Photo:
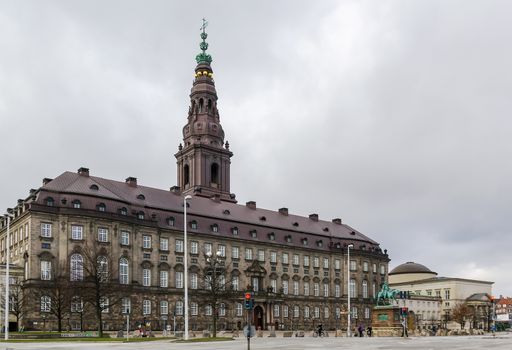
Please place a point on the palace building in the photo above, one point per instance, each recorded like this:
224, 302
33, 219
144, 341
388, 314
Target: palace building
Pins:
296, 266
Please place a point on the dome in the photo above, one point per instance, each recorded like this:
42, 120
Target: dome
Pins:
411, 267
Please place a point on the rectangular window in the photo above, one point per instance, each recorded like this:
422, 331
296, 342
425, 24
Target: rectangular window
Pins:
354, 313
193, 280
235, 253
276, 310
295, 259
353, 265
77, 232
285, 311
273, 284
317, 312
255, 284
306, 288
326, 289
316, 289
374, 268
46, 229
164, 279
306, 260
164, 307
337, 290
179, 308
365, 266
273, 257
326, 263
353, 291
102, 234
382, 269
208, 310
146, 307
367, 312
125, 238
261, 255
295, 287
164, 244
179, 246
46, 303
179, 279
239, 309
146, 277
248, 254
104, 305
146, 241
234, 283
296, 311
326, 312
208, 248
316, 262
285, 287
194, 247
285, 258
193, 309
221, 248
46, 270
447, 294
337, 264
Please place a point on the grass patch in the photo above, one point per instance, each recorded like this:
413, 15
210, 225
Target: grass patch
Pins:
88, 339
199, 340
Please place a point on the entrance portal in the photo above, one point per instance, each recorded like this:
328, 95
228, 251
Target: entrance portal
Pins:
258, 317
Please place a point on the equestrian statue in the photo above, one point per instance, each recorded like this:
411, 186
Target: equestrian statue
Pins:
386, 295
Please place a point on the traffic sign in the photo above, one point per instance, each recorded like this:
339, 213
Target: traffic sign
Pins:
251, 334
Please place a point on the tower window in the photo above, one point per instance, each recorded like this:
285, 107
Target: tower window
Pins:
215, 173
201, 103
209, 105
186, 174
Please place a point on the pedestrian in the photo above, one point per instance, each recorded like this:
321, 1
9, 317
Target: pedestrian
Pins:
369, 331
360, 329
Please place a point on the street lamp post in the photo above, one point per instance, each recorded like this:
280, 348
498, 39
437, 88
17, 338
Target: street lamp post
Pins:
185, 263
7, 263
348, 289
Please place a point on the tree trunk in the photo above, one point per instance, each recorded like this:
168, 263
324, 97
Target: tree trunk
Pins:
100, 323
214, 325
59, 323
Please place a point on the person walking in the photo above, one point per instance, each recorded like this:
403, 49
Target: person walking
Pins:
360, 329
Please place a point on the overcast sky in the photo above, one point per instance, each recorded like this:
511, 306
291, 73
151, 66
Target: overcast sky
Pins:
393, 115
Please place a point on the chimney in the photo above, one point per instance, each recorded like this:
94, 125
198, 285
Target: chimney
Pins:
283, 211
313, 217
337, 221
131, 181
32, 191
83, 171
46, 180
251, 205
175, 189
215, 198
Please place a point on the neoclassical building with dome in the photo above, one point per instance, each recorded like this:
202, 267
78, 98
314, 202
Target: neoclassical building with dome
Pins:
296, 265
425, 284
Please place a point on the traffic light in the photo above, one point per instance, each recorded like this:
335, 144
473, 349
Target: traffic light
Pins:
248, 300
404, 311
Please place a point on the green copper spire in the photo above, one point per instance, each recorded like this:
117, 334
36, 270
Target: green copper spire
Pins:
203, 57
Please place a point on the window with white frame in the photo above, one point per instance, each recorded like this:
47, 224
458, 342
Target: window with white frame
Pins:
164, 244
285, 287
123, 271
146, 277
306, 288
326, 289
208, 310
446, 294
326, 263
179, 246
276, 310
235, 252
367, 312
239, 309
337, 312
234, 283
221, 248
326, 312
261, 255
222, 310
164, 307
306, 311
306, 260
354, 314
295, 287
285, 311
179, 308
374, 268
295, 259
273, 257
194, 247
296, 311
255, 284
126, 305
365, 289
221, 282
179, 279
317, 312
316, 261
316, 289
337, 264
146, 241
77, 232
193, 308
76, 267
46, 270
365, 266
102, 234
164, 279
46, 229
125, 238
337, 290
208, 248
77, 304
353, 265
193, 280
285, 258
46, 303
353, 291
248, 254
374, 289
382, 269
104, 305
146, 307
273, 284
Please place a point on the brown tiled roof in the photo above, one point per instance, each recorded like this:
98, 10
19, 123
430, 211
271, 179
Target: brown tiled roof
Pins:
243, 217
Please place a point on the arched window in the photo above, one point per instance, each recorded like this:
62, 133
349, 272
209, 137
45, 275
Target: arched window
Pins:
76, 267
124, 211
77, 204
123, 271
140, 215
215, 173
365, 289
102, 268
353, 291
201, 103
186, 174
209, 105
102, 207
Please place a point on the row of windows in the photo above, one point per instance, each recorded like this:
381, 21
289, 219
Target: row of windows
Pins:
77, 204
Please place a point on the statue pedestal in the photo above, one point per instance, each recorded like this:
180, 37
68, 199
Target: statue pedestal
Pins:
386, 321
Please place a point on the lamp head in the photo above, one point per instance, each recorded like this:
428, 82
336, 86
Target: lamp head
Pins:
209, 254
218, 254
187, 197
350, 245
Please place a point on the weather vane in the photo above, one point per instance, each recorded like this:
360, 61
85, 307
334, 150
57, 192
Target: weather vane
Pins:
205, 24
203, 57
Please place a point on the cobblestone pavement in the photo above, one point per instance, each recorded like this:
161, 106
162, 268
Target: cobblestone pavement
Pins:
500, 342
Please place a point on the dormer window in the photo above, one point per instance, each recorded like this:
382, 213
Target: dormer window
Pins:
141, 197
140, 215
304, 241
272, 236
319, 244
102, 207
326, 229
193, 225
49, 202
296, 224
94, 187
123, 211
215, 228
77, 204
262, 218
254, 234
353, 233
234, 231
171, 221
226, 212
288, 239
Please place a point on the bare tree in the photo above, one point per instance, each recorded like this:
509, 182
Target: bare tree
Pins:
461, 313
18, 301
216, 286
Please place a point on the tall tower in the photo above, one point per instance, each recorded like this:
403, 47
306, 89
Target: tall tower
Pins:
203, 161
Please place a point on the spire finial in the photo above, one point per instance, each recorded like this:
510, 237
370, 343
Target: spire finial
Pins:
203, 57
